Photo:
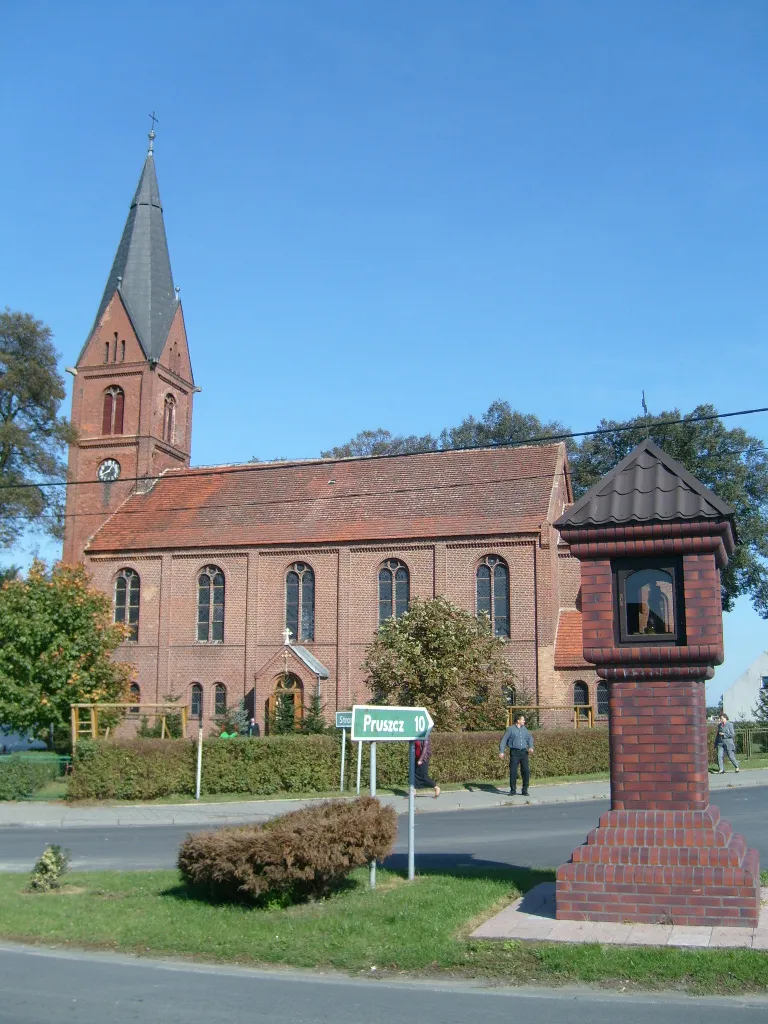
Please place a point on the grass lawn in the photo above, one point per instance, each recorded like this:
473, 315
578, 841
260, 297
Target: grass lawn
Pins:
417, 928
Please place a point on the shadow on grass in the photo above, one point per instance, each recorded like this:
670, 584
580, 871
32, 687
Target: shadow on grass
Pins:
219, 897
466, 866
435, 865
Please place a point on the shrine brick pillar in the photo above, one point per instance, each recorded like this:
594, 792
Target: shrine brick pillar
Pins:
652, 626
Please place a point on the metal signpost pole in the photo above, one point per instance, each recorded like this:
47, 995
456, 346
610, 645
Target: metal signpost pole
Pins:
372, 875
343, 722
372, 723
199, 776
411, 809
359, 764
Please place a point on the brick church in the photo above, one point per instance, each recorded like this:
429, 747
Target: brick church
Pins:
239, 581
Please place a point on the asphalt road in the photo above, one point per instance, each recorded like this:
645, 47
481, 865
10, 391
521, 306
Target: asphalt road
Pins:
56, 987
528, 836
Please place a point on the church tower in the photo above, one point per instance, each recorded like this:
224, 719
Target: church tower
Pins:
133, 384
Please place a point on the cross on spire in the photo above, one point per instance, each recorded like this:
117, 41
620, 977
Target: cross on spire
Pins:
154, 121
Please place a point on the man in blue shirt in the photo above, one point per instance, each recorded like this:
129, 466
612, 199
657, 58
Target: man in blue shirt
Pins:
520, 743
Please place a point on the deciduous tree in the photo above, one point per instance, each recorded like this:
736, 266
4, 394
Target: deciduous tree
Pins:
57, 639
33, 436
445, 659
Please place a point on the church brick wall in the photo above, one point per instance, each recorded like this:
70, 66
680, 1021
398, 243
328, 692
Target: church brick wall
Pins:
168, 658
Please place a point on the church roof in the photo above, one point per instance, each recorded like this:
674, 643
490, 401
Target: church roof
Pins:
569, 643
313, 664
404, 497
141, 271
647, 486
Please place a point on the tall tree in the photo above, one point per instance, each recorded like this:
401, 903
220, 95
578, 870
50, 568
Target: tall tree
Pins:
499, 424
728, 460
57, 639
445, 659
33, 436
381, 442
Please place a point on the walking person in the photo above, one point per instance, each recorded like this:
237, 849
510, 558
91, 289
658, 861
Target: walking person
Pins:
725, 743
520, 743
423, 754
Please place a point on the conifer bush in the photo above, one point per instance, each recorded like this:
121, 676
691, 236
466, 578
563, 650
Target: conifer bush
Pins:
298, 856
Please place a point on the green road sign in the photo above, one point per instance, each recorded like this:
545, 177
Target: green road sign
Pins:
343, 719
384, 723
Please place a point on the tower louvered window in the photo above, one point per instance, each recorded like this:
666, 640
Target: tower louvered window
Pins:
169, 419
112, 414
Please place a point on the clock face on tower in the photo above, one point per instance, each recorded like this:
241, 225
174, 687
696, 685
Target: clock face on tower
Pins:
109, 470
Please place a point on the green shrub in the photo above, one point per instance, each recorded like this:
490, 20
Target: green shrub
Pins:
21, 776
147, 769
294, 857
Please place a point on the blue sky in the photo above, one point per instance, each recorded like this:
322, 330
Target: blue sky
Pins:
391, 214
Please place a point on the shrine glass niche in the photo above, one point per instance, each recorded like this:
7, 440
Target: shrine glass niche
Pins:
649, 601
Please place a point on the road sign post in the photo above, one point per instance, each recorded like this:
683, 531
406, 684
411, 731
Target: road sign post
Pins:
411, 810
359, 764
373, 724
372, 875
343, 722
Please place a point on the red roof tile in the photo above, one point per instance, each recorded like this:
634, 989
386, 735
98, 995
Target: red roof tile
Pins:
434, 494
569, 643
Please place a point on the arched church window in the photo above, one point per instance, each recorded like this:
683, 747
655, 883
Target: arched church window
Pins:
196, 703
135, 691
300, 601
169, 419
127, 592
581, 697
394, 590
220, 699
210, 605
112, 416
602, 698
492, 580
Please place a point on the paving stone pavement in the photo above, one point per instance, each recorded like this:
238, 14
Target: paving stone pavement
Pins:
532, 918
38, 813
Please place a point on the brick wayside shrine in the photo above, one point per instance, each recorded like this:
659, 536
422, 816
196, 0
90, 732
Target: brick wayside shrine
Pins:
652, 541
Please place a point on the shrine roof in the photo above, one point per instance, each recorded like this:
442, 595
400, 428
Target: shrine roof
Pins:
646, 486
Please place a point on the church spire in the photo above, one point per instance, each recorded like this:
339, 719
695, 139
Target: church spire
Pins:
141, 271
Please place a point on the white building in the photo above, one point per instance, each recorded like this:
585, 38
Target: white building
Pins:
740, 700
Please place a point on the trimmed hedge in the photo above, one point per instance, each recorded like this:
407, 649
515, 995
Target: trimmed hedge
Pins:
294, 857
20, 777
147, 769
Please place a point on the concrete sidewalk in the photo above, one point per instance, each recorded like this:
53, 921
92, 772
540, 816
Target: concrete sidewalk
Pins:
31, 814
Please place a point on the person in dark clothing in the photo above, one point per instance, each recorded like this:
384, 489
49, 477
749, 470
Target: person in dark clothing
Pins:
520, 743
423, 754
252, 728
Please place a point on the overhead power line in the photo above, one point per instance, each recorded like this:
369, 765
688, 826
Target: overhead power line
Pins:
547, 438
